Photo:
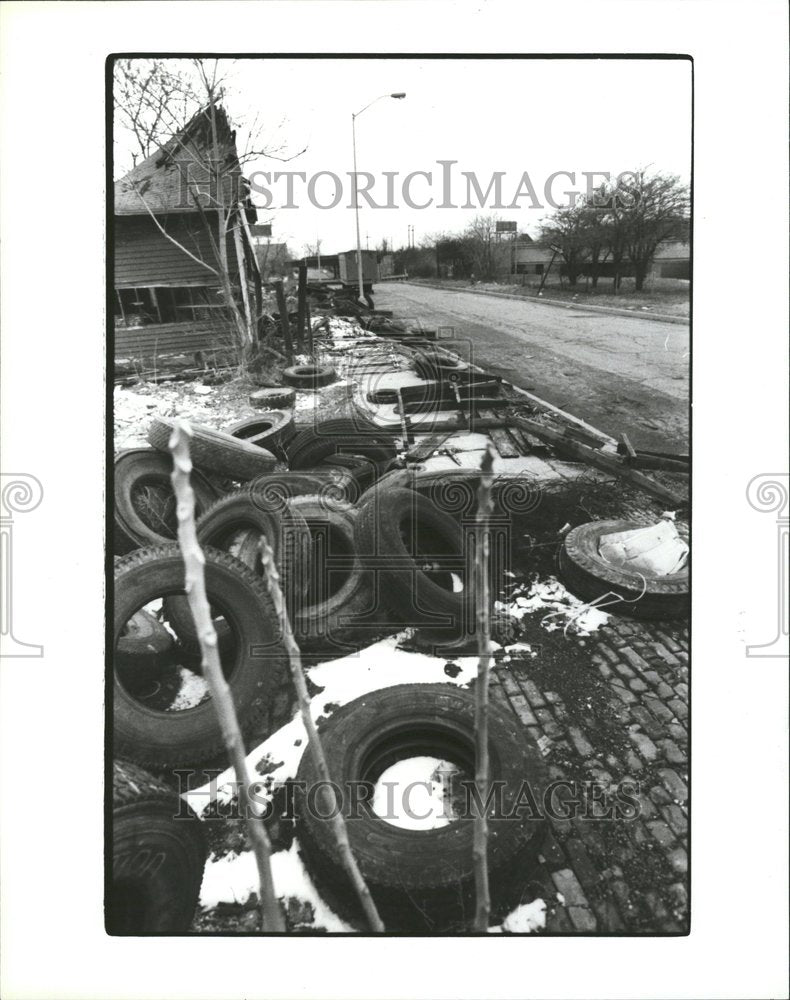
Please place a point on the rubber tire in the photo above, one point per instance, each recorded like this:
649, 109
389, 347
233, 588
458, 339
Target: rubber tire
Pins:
588, 576
287, 534
144, 651
140, 464
216, 451
341, 435
158, 858
421, 881
188, 738
329, 623
273, 429
309, 376
411, 593
364, 471
268, 398
436, 367
289, 538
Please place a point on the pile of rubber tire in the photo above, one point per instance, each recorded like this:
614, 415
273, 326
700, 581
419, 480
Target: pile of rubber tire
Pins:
355, 562
362, 549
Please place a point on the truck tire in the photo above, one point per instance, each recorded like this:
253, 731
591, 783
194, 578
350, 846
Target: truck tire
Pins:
215, 451
309, 376
145, 505
254, 665
157, 860
421, 881
588, 576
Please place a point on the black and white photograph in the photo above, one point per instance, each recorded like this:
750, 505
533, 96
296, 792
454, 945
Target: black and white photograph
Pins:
392, 420
401, 444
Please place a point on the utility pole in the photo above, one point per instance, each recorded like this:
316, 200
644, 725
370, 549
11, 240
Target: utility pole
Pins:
398, 97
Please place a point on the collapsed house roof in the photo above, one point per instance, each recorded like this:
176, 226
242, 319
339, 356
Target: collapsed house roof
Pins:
188, 173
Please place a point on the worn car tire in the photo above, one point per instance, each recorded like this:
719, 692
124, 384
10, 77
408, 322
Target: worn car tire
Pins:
143, 651
588, 576
157, 860
435, 366
341, 435
417, 547
136, 469
309, 376
287, 533
281, 397
216, 451
421, 881
254, 667
273, 429
339, 593
235, 524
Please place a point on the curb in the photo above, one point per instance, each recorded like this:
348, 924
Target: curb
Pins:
604, 310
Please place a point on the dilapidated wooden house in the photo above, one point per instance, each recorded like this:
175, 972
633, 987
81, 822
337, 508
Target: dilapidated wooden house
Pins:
180, 216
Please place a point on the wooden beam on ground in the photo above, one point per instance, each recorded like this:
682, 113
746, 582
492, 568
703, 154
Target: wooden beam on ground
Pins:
629, 448
600, 460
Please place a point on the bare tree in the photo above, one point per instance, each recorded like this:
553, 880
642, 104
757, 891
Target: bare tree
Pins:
656, 208
488, 254
150, 98
176, 107
567, 230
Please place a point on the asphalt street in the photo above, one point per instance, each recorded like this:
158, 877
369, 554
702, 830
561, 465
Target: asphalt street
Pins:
619, 373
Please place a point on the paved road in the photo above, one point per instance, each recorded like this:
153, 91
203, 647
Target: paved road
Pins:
617, 373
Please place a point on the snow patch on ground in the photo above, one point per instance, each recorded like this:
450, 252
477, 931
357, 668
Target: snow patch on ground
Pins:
381, 665
233, 878
525, 919
560, 608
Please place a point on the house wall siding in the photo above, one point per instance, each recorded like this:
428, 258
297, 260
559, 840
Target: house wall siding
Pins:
143, 256
147, 343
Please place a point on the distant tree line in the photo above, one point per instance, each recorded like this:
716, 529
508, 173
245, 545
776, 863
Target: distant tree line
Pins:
617, 229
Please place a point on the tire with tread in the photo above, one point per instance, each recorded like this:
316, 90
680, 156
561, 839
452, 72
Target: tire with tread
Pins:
341, 435
422, 881
216, 451
406, 527
143, 651
273, 429
328, 618
588, 576
309, 376
273, 398
254, 669
157, 861
139, 467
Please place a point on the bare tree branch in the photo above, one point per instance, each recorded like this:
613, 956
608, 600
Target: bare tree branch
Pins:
194, 561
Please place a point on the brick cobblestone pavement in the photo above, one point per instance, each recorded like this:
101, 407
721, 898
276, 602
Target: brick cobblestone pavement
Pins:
616, 875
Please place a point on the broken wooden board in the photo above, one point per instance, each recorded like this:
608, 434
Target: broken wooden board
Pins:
502, 441
601, 460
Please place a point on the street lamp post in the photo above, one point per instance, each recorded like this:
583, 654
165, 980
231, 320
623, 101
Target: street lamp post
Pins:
398, 97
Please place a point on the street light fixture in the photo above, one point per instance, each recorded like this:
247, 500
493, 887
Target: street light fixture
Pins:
398, 97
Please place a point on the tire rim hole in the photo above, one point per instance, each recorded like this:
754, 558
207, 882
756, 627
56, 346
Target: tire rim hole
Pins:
420, 793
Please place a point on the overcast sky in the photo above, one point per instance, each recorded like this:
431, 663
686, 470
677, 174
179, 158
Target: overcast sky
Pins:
531, 115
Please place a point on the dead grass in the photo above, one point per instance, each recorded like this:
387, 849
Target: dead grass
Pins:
666, 296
